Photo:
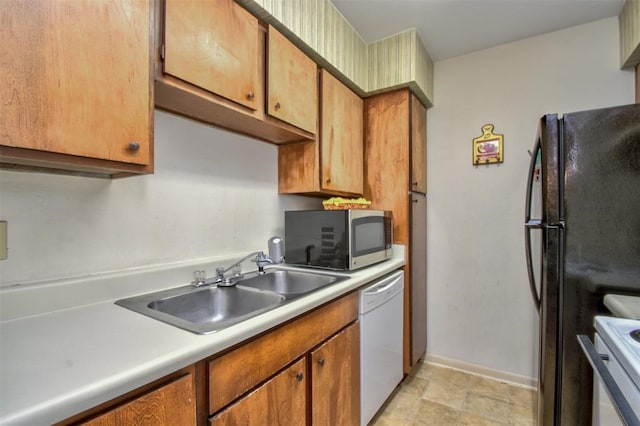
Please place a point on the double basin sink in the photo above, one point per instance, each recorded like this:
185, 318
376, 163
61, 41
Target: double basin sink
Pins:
207, 309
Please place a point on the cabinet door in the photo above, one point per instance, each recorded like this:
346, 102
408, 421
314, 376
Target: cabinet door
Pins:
418, 282
292, 84
638, 84
387, 158
341, 138
214, 45
280, 401
418, 146
76, 78
172, 404
335, 379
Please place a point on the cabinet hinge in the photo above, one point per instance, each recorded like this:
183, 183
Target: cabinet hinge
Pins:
162, 53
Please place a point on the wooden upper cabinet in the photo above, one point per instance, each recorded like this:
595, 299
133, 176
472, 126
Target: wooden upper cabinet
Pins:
387, 160
292, 83
210, 65
341, 138
214, 45
171, 404
280, 401
395, 171
333, 165
335, 379
76, 85
418, 146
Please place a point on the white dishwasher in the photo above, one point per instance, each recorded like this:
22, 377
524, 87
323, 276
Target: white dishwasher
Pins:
381, 322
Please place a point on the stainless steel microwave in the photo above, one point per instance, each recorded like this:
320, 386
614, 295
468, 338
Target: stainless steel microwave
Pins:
337, 239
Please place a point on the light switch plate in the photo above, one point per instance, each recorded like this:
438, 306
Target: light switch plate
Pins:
3, 239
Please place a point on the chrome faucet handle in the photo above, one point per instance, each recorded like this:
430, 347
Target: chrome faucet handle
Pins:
236, 271
199, 278
219, 274
262, 259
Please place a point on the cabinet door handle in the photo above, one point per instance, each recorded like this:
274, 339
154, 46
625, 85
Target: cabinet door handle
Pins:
277, 106
328, 180
415, 183
134, 146
321, 362
299, 377
250, 95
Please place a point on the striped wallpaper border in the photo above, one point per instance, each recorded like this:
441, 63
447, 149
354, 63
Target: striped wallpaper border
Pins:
398, 60
629, 22
320, 30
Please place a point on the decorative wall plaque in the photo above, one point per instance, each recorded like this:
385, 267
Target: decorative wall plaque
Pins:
487, 149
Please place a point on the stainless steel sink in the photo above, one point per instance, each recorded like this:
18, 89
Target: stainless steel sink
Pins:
289, 283
216, 305
208, 309
203, 310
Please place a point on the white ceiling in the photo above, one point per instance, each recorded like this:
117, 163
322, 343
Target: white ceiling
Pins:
451, 28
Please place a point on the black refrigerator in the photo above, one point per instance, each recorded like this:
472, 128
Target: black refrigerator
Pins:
582, 239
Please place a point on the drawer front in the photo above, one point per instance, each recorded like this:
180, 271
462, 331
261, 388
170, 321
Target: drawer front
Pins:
171, 404
280, 401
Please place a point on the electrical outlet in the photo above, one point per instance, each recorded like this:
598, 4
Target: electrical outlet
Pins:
3, 239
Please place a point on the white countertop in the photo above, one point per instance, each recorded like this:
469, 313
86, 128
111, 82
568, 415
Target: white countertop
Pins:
66, 347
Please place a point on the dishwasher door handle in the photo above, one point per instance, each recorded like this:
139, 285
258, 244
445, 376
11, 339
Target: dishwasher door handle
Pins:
381, 288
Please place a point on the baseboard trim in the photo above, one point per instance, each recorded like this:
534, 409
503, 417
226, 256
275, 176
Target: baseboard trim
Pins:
514, 379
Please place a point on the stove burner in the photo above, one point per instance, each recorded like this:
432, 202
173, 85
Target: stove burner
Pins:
635, 335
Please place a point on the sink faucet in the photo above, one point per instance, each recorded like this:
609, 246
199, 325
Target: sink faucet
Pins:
275, 257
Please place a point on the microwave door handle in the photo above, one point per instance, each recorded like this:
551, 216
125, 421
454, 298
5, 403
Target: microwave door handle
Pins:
307, 251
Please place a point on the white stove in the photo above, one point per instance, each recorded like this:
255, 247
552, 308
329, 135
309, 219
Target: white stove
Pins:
616, 343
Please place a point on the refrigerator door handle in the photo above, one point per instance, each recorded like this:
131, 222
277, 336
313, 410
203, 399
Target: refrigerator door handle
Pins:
531, 224
532, 167
532, 279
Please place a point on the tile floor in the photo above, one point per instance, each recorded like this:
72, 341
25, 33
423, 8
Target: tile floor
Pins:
442, 396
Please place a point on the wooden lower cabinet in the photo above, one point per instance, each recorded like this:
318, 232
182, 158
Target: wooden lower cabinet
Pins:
282, 400
318, 354
172, 404
335, 379
321, 388
306, 371
168, 401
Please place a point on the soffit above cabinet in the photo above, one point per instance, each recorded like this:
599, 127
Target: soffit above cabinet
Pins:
321, 31
629, 21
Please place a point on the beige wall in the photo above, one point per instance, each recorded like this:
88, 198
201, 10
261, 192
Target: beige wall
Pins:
213, 193
479, 307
